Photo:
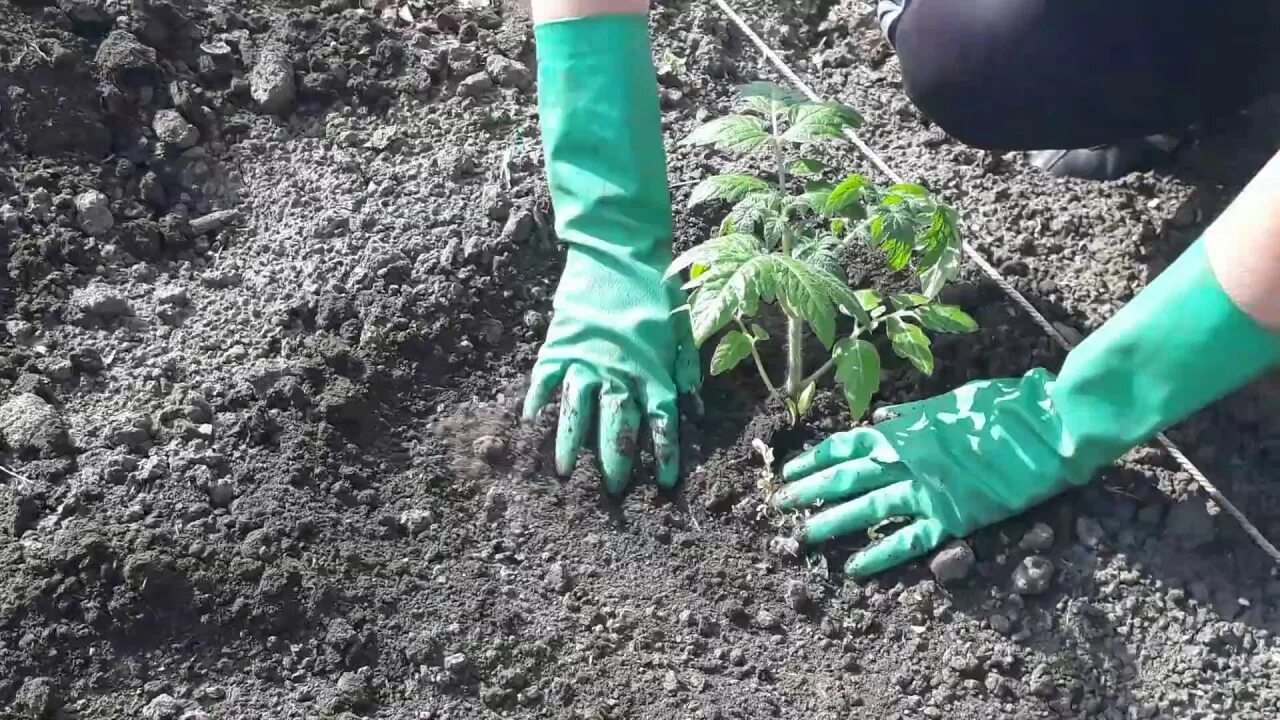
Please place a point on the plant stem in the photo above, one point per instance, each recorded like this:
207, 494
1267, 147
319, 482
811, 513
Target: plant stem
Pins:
795, 326
764, 375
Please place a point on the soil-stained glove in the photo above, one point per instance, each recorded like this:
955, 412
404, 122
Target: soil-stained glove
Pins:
991, 449
615, 348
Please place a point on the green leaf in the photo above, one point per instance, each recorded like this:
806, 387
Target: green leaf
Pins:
847, 197
732, 133
868, 299
730, 187
822, 251
858, 372
806, 166
815, 194
749, 212
910, 343
734, 346
817, 121
805, 401
905, 301
937, 275
814, 295
946, 318
731, 248
910, 189
760, 333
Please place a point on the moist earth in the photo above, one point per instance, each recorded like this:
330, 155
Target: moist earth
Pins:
274, 276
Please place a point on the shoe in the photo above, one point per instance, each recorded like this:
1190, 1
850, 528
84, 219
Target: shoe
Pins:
1107, 162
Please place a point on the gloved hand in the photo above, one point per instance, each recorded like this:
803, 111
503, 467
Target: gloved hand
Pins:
991, 449
615, 348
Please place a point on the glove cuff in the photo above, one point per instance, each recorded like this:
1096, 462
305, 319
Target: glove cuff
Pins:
602, 135
1178, 346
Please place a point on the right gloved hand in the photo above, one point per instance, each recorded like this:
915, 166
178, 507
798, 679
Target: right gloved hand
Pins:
953, 463
990, 449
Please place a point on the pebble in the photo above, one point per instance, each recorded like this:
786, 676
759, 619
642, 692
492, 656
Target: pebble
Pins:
163, 707
1033, 575
93, 212
509, 73
271, 82
558, 578
786, 546
28, 424
953, 563
102, 300
1038, 539
415, 521
766, 620
172, 295
489, 447
463, 60
214, 221
1089, 531
475, 84
455, 663
797, 595
172, 128
222, 493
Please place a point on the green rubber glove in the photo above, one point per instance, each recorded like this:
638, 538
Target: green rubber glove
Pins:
614, 347
991, 449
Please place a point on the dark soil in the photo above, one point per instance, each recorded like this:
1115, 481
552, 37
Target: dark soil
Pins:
275, 274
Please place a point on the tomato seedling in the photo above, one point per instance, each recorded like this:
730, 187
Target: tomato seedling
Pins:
780, 245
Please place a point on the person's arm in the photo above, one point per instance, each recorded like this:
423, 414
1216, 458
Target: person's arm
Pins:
615, 350
993, 448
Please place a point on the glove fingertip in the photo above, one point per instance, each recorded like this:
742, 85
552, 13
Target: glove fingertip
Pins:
541, 387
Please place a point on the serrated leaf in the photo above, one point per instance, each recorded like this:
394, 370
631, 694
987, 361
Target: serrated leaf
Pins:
868, 299
806, 166
909, 189
858, 372
721, 250
814, 295
946, 318
937, 275
760, 333
847, 197
733, 347
817, 121
905, 301
732, 133
815, 195
805, 401
910, 343
730, 187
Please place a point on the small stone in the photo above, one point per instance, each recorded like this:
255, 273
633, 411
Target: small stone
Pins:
36, 698
797, 595
475, 85
463, 60
415, 521
670, 682
126, 60
489, 447
952, 563
1001, 624
271, 83
93, 212
31, 426
102, 300
214, 221
509, 73
172, 295
456, 663
1038, 539
172, 128
786, 546
766, 620
1189, 524
1033, 575
222, 493
495, 504
1089, 531
163, 707
559, 579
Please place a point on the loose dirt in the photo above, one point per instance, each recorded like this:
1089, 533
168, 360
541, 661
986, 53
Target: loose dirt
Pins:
275, 274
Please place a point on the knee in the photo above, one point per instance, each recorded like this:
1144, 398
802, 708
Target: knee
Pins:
949, 91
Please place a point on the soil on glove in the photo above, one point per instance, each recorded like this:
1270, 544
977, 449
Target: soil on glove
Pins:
274, 276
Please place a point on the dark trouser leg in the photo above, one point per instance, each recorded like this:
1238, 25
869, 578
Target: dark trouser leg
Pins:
1035, 74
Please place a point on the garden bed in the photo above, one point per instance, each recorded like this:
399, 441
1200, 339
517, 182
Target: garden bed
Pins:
291, 482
